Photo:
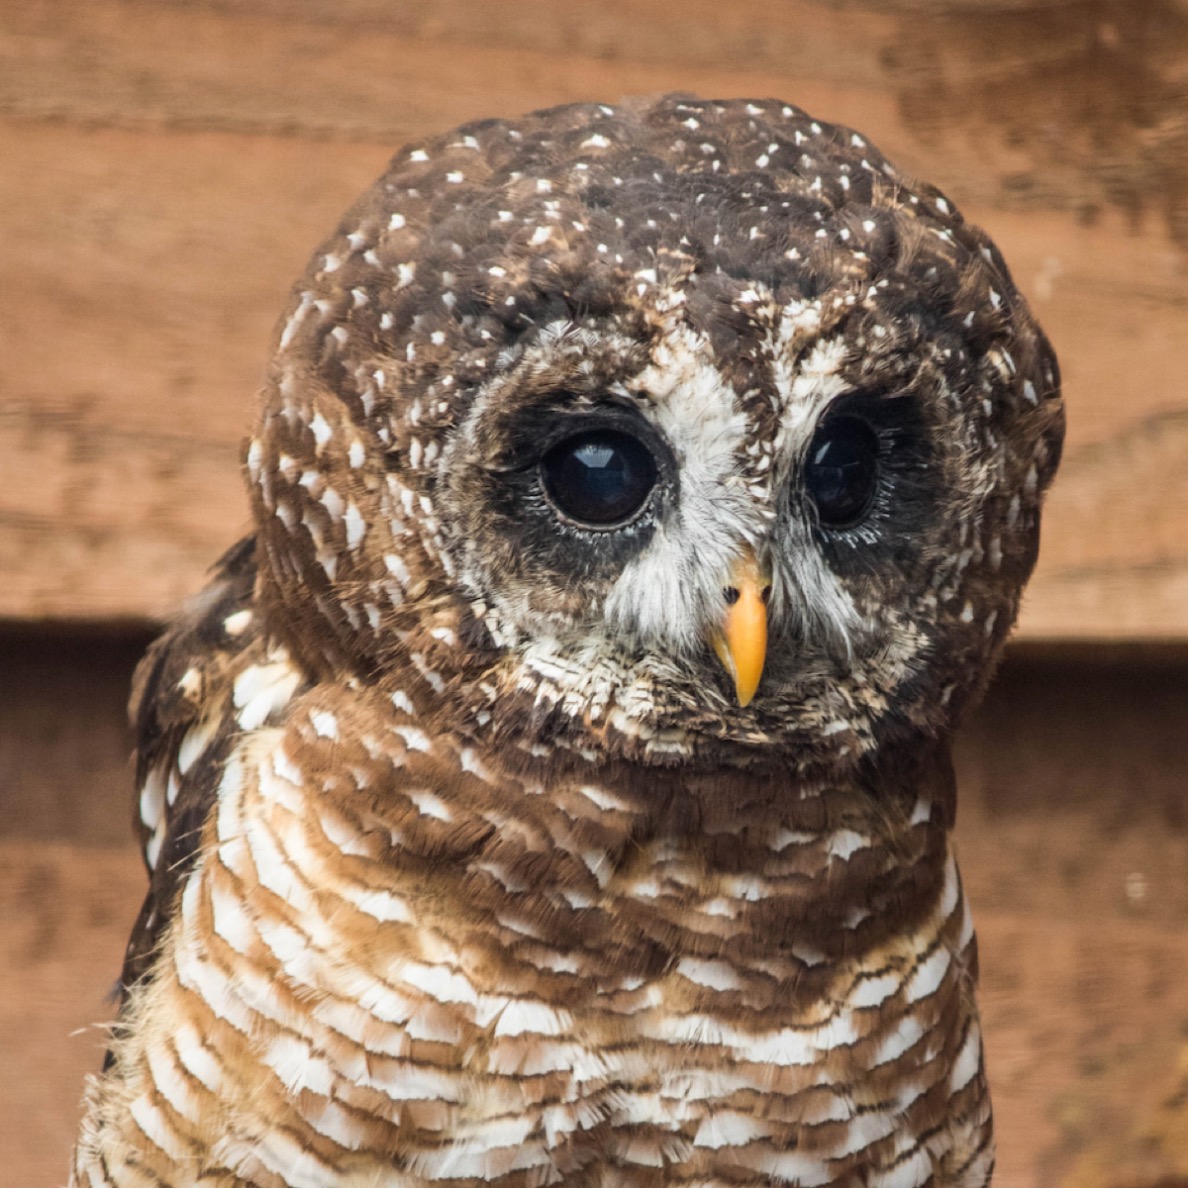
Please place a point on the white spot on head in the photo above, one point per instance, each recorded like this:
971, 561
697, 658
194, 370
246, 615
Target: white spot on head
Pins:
325, 725
296, 319
321, 430
414, 738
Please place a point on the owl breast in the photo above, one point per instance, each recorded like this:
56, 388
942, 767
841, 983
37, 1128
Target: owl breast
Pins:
573, 980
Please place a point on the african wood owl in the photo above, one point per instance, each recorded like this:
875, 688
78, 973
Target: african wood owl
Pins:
555, 787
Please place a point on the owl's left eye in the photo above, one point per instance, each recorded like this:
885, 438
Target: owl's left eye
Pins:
600, 478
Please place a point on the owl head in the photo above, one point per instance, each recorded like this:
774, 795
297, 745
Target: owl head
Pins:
673, 430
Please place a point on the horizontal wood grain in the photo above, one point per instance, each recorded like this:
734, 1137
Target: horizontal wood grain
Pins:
384, 72
168, 169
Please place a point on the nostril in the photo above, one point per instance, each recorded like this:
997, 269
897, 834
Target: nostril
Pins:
765, 595
730, 593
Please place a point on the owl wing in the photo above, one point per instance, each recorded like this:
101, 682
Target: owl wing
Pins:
211, 676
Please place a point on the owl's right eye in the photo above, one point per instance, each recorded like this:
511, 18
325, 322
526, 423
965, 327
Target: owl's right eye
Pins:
600, 478
842, 470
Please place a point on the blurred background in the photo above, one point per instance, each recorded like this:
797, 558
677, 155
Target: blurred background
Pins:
166, 167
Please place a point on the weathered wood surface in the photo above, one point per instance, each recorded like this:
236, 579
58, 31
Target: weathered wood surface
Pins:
167, 169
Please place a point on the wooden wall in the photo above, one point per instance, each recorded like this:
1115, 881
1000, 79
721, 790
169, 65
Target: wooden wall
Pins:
166, 167
169, 166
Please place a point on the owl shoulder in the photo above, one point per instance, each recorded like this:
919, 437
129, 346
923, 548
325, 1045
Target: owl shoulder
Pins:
213, 675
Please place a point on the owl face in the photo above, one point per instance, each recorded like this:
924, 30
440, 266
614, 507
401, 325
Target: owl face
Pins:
680, 429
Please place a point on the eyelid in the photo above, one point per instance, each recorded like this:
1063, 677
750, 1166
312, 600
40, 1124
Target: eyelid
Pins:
857, 401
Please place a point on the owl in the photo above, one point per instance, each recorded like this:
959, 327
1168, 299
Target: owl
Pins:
555, 787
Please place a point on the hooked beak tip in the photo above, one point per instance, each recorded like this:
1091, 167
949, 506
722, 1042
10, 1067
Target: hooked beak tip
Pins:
741, 640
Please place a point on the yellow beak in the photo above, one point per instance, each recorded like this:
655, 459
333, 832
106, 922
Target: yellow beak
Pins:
741, 641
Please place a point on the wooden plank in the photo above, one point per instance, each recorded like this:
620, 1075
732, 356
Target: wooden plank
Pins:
155, 206
1114, 554
68, 910
142, 274
386, 74
66, 767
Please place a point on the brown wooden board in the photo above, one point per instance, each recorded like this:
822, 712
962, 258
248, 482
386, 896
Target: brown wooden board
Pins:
168, 168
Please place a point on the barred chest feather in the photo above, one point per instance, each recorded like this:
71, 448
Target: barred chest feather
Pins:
398, 963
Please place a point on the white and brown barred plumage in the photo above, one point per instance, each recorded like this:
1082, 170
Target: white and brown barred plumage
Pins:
468, 865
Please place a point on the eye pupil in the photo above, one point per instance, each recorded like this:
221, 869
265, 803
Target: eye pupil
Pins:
600, 478
842, 470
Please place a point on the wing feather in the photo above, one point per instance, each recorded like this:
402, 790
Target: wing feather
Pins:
211, 675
